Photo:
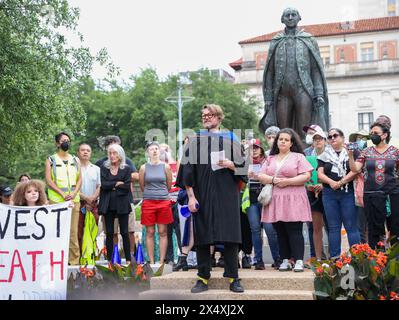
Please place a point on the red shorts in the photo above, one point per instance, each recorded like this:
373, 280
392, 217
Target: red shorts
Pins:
156, 212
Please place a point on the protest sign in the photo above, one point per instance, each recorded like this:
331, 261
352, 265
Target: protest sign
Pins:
34, 245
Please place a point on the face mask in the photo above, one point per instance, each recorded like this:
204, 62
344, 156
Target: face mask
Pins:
65, 146
375, 138
308, 139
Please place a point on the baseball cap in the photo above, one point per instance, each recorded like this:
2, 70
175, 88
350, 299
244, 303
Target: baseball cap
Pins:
256, 142
314, 127
6, 191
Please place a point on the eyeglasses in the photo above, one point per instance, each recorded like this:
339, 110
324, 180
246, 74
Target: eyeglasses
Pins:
207, 116
334, 136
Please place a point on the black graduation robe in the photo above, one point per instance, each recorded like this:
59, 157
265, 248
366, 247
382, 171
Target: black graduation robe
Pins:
218, 194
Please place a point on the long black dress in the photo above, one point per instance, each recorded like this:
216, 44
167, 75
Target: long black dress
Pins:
218, 217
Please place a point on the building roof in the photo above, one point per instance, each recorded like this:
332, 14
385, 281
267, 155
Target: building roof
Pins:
236, 65
337, 28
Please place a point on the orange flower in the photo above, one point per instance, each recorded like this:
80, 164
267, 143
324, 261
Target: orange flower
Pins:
381, 297
381, 259
347, 260
378, 269
339, 264
319, 270
394, 295
139, 269
381, 244
104, 251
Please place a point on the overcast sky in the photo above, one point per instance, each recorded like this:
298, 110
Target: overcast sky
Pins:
181, 35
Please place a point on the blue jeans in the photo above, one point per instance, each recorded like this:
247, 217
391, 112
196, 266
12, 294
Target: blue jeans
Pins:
254, 215
340, 209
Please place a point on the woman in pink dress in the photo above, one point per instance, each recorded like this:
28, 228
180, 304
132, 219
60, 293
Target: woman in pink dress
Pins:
289, 207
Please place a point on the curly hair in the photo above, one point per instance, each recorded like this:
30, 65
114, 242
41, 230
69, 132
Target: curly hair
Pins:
18, 197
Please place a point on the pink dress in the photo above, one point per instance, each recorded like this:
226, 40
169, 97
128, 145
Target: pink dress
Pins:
289, 204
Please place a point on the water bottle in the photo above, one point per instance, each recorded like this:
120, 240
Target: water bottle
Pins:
185, 211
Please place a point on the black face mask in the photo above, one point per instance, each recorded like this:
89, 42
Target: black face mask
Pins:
376, 139
65, 146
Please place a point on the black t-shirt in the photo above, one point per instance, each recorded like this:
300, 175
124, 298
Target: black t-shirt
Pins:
380, 170
333, 175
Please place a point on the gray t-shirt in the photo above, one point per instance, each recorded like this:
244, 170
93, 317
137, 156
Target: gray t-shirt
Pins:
155, 187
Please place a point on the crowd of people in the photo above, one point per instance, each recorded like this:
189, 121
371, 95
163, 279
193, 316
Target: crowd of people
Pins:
210, 197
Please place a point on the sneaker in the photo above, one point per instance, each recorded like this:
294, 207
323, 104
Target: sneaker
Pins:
236, 286
200, 286
285, 266
260, 265
246, 262
277, 263
298, 266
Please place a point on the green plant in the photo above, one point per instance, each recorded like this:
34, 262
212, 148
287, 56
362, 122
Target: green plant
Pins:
112, 281
360, 274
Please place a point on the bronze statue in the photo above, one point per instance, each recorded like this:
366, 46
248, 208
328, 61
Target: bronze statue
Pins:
294, 85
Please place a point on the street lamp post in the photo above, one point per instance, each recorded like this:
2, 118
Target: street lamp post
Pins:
180, 100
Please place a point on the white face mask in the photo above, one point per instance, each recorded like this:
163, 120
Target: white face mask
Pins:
309, 139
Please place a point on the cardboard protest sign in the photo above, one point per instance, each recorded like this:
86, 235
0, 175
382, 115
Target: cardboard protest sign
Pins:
34, 244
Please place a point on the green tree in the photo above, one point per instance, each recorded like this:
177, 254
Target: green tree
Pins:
134, 109
239, 108
38, 74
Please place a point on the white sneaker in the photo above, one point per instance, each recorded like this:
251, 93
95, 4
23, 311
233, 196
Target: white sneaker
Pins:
298, 266
285, 266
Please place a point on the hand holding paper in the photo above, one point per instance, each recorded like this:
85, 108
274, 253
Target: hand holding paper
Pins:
216, 157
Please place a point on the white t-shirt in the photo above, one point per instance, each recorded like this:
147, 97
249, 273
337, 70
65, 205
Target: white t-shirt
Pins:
91, 179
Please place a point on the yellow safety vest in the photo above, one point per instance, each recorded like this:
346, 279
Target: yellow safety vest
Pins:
89, 244
65, 176
245, 202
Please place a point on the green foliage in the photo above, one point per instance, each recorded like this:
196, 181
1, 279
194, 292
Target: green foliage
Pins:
363, 274
111, 282
38, 73
130, 111
45, 88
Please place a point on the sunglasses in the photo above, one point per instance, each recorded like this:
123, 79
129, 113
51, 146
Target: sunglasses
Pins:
334, 136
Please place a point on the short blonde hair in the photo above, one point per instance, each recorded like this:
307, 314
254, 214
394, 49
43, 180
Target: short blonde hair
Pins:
215, 109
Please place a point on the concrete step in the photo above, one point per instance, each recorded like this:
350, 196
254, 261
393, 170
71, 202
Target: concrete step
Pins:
226, 294
268, 279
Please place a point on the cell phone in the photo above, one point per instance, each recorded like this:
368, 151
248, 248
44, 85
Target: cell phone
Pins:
353, 146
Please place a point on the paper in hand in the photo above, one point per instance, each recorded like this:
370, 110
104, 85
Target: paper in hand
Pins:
215, 158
